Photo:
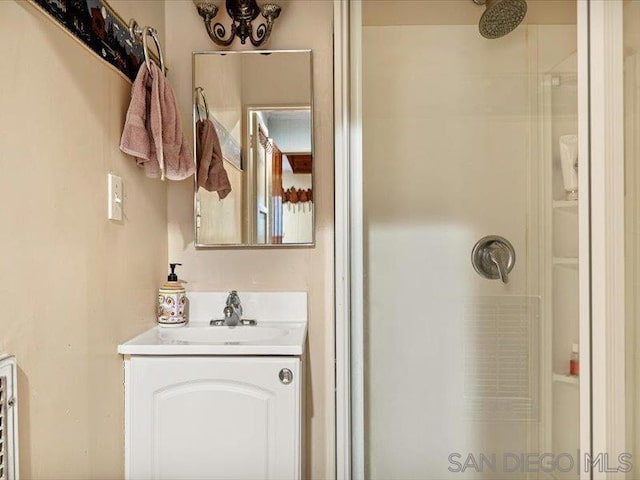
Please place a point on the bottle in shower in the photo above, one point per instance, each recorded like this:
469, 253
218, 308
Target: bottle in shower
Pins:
574, 362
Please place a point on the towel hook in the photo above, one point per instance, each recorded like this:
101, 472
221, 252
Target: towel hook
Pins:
200, 91
138, 33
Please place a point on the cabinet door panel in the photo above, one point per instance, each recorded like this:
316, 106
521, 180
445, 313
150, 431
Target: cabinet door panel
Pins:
213, 418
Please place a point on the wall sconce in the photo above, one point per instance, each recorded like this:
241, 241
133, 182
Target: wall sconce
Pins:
242, 13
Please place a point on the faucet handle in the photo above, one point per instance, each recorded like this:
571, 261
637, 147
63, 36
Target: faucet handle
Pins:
493, 257
233, 298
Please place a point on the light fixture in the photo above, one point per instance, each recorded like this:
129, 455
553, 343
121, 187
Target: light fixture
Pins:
242, 13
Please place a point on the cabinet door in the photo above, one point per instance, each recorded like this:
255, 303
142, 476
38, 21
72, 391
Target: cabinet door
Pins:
213, 418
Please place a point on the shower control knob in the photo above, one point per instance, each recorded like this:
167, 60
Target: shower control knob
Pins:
493, 257
286, 376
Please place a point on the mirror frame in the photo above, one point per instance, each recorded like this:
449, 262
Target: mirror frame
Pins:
246, 109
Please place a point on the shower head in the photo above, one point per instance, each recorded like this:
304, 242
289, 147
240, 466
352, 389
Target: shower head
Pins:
501, 16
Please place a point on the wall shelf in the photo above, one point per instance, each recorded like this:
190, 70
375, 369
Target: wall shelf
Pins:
98, 28
564, 378
566, 261
565, 204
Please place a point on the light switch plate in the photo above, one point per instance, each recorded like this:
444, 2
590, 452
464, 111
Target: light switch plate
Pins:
114, 195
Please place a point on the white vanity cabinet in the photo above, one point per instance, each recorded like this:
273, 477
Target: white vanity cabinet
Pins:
213, 417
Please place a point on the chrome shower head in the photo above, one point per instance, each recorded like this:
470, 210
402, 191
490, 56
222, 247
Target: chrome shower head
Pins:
501, 16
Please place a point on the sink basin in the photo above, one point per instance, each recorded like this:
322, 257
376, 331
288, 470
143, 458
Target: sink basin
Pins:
281, 328
272, 338
223, 335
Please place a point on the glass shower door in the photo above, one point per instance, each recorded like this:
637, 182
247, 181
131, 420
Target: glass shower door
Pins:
470, 225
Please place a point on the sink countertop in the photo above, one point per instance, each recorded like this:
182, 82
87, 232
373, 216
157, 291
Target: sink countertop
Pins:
281, 328
167, 341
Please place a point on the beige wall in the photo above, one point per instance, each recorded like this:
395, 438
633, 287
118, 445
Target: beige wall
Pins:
75, 283
225, 103
275, 80
303, 24
459, 12
222, 221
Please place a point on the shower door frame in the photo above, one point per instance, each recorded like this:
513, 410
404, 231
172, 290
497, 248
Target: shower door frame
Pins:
607, 230
601, 234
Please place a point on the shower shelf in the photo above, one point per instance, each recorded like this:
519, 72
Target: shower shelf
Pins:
565, 204
560, 234
565, 261
564, 378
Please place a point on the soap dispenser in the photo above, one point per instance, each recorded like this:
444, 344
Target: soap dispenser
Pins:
172, 301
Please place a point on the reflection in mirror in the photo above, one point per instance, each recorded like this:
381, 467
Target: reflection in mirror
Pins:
254, 148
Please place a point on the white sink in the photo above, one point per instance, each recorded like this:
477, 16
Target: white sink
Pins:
218, 335
281, 328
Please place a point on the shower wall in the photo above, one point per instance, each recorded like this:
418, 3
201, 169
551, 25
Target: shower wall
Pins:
451, 128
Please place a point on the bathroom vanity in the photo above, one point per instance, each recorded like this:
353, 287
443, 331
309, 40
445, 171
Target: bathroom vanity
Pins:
218, 402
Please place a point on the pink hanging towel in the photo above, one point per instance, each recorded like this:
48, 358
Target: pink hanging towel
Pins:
153, 132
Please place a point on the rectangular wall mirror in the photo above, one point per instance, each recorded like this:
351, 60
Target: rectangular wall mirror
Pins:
253, 133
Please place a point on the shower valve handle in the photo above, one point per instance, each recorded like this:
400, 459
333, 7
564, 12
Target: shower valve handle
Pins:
493, 257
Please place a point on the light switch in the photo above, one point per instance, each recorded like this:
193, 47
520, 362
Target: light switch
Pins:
114, 193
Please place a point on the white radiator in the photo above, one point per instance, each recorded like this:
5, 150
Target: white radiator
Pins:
8, 418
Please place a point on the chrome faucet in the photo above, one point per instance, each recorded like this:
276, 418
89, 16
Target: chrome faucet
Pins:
233, 310
233, 313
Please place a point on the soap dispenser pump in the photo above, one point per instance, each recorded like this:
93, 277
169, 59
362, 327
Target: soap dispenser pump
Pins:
173, 277
172, 301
